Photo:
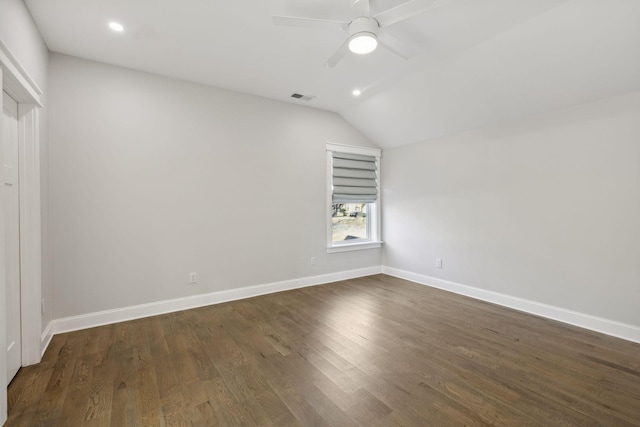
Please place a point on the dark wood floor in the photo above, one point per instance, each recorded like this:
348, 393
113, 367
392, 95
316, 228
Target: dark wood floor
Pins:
374, 351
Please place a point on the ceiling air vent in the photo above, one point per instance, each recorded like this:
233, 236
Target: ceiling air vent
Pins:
303, 97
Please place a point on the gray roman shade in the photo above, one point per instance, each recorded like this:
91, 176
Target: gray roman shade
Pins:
354, 178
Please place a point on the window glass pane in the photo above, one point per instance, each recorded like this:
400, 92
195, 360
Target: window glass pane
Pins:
349, 221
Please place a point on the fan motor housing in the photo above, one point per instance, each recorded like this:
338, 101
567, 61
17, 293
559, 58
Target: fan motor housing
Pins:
363, 24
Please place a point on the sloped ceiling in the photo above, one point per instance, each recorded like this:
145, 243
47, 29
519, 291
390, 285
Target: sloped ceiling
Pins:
478, 62
576, 52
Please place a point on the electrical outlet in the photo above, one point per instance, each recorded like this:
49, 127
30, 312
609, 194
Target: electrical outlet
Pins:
193, 277
438, 262
313, 260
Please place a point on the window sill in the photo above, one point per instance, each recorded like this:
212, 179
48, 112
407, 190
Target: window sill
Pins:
354, 247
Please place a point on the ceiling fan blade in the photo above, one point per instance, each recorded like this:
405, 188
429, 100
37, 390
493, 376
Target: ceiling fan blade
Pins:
396, 46
363, 7
290, 21
404, 11
338, 55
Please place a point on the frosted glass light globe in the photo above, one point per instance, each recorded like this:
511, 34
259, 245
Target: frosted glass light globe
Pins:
363, 43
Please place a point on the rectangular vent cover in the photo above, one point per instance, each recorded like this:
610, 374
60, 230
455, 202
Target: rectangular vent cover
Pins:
303, 97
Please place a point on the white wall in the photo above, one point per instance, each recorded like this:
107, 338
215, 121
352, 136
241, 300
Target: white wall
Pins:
154, 178
545, 208
20, 35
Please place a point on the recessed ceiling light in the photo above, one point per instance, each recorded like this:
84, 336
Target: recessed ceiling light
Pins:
356, 92
116, 26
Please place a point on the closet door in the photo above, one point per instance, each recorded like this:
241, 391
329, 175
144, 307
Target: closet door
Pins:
11, 206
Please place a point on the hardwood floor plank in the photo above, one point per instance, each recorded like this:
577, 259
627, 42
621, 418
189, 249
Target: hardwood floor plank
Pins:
148, 406
373, 351
97, 411
123, 403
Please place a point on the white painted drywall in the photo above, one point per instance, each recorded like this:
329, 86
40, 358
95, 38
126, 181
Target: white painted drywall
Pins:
545, 208
154, 178
20, 34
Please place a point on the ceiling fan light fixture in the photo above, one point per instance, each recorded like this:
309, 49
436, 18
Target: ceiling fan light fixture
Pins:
363, 43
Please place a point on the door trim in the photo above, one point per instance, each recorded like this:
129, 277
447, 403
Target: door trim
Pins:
30, 233
15, 80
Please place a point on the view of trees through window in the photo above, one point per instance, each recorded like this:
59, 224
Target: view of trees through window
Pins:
349, 221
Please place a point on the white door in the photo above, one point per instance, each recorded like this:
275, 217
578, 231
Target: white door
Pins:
12, 233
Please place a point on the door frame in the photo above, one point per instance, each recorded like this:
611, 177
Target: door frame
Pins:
15, 80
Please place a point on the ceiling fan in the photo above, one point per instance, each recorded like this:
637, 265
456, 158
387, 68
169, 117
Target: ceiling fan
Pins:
365, 31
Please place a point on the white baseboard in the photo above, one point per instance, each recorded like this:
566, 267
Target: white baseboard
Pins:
45, 339
90, 320
587, 321
100, 318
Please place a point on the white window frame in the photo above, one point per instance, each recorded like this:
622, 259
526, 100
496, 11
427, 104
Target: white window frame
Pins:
373, 212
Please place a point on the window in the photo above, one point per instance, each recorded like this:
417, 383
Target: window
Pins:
353, 198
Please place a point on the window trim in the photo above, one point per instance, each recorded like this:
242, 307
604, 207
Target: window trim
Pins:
373, 214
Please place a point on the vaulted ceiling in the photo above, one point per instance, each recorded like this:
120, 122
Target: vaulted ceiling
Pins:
478, 61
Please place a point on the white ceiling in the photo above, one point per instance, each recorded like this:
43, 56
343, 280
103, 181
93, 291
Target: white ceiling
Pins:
479, 61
